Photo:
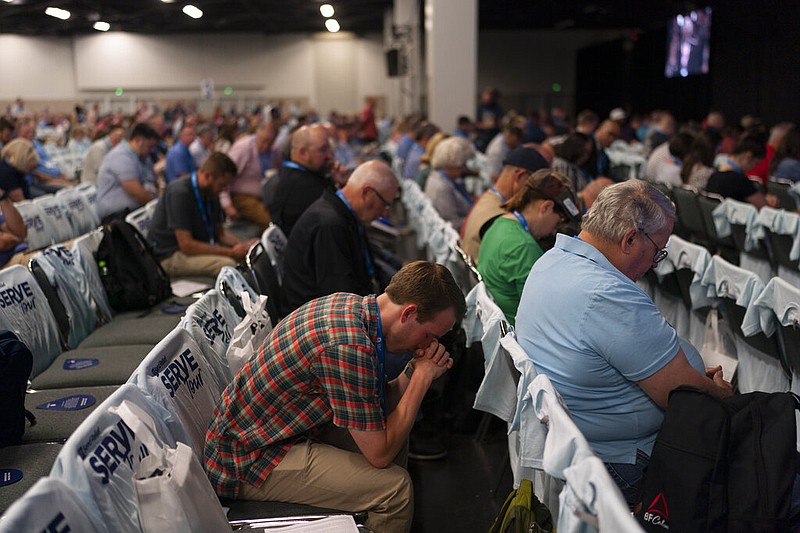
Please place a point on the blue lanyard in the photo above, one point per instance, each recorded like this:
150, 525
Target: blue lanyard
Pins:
498, 193
205, 209
735, 167
458, 186
361, 237
678, 162
264, 159
381, 349
292, 164
522, 221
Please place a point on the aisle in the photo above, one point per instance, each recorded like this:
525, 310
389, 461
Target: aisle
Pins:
455, 494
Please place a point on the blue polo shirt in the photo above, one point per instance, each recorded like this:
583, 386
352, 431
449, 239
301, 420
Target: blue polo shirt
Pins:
179, 162
595, 333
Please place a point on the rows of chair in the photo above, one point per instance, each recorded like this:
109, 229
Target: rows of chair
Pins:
59, 217
766, 241
89, 360
544, 444
760, 315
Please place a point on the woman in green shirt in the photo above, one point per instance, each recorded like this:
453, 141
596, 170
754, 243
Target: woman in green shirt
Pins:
509, 247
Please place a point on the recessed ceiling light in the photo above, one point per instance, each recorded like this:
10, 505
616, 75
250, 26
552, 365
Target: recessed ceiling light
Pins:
332, 25
326, 10
192, 11
8, 1
57, 12
101, 26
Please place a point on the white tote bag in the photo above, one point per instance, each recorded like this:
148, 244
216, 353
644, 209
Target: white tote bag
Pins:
172, 490
250, 333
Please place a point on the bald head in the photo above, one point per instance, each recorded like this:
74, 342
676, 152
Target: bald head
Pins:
371, 190
311, 148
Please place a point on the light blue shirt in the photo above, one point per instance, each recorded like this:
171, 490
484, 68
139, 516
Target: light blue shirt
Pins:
595, 334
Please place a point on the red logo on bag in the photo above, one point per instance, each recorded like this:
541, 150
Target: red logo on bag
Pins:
659, 506
658, 513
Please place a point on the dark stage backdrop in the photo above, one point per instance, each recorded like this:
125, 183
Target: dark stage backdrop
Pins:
754, 68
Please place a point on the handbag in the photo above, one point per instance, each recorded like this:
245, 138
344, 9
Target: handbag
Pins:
172, 490
250, 333
715, 350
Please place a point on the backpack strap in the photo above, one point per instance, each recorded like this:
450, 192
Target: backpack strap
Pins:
31, 418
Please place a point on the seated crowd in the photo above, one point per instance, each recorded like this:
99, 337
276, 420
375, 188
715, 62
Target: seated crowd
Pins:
315, 394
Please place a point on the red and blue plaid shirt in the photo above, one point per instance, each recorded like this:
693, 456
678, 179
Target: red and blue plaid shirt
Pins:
319, 366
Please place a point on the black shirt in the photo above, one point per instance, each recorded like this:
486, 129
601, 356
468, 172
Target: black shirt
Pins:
730, 184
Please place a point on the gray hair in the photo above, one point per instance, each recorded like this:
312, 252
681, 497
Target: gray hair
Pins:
623, 206
372, 173
452, 152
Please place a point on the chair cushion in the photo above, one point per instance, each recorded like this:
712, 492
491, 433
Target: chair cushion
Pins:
116, 364
55, 425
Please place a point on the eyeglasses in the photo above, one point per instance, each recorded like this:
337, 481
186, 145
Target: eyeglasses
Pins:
386, 204
660, 253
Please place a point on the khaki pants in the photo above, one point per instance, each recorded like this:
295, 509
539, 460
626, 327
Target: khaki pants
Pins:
251, 208
180, 264
323, 475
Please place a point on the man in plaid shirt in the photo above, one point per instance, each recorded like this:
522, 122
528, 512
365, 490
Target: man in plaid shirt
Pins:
309, 418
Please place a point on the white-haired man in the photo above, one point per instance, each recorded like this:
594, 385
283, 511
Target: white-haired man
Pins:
600, 339
328, 250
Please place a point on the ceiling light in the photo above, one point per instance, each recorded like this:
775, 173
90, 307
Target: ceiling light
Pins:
8, 1
57, 12
192, 11
326, 10
332, 25
167, 1
101, 26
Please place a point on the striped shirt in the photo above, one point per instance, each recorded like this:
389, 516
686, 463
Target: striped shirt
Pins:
319, 366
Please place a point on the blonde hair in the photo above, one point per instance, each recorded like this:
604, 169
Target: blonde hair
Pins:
20, 154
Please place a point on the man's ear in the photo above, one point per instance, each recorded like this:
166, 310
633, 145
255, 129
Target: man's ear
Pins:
628, 240
409, 311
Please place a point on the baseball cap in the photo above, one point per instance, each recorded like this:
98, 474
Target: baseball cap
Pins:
551, 187
527, 158
617, 114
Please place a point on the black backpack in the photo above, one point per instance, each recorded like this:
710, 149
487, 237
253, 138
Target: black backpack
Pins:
16, 364
722, 465
131, 274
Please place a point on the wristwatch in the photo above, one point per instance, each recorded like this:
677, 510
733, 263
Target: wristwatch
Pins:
409, 370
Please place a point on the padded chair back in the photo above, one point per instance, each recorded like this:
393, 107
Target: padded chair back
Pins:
24, 310
466, 269
210, 321
274, 241
49, 505
142, 218
83, 249
231, 283
60, 219
724, 245
177, 375
96, 460
83, 215
688, 211
63, 281
777, 308
259, 264
39, 226
89, 192
780, 188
